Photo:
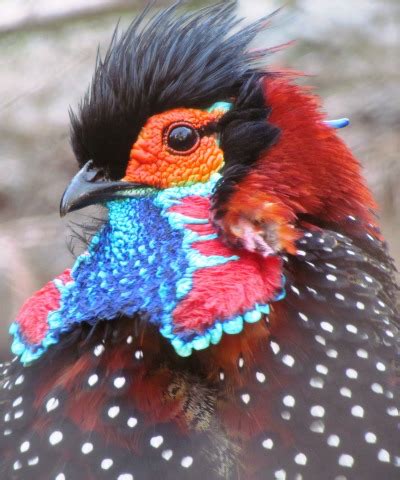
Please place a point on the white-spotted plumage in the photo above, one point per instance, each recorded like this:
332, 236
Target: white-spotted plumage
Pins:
327, 378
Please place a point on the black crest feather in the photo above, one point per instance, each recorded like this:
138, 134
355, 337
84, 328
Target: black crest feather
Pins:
161, 62
245, 133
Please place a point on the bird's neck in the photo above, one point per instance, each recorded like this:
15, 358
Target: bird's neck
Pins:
161, 254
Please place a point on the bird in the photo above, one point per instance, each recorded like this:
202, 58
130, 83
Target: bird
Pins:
234, 315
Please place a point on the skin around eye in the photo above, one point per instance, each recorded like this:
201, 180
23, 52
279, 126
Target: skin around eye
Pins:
171, 149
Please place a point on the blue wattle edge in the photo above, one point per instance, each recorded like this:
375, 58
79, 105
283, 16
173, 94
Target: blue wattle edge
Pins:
213, 335
27, 353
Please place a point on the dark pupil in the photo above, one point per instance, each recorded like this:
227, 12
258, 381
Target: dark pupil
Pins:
182, 138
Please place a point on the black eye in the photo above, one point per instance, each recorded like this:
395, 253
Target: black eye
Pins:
182, 138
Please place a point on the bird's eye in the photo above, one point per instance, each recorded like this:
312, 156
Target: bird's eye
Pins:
182, 138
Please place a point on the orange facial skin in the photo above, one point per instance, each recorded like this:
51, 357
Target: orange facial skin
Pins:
154, 163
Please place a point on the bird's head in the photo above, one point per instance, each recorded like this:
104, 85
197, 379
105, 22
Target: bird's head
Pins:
178, 98
155, 117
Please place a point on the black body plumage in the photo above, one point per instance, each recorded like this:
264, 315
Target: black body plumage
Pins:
331, 378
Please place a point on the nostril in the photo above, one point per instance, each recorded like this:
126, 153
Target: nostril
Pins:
91, 173
99, 175
96, 175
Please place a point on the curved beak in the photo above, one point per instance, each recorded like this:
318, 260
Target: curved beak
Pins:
88, 187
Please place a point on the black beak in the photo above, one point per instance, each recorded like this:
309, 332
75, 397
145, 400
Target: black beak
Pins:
88, 187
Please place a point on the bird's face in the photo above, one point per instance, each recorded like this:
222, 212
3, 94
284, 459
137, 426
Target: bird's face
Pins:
175, 148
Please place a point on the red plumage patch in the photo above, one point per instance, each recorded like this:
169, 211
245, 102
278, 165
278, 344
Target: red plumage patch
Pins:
32, 318
308, 171
310, 168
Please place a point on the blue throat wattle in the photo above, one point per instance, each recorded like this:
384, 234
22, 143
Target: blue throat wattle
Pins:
143, 261
136, 262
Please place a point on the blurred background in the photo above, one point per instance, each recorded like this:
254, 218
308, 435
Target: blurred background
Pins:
349, 49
